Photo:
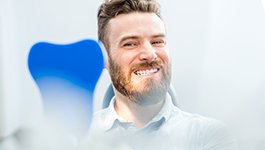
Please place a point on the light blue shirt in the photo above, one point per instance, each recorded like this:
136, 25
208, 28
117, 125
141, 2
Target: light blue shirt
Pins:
170, 129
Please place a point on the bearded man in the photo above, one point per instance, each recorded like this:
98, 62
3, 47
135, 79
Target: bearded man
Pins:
141, 114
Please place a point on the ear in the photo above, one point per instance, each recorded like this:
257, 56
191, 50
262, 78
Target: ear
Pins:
107, 64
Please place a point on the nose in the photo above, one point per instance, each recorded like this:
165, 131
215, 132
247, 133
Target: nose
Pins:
148, 53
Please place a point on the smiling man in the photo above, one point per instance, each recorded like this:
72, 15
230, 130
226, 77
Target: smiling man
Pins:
138, 65
141, 114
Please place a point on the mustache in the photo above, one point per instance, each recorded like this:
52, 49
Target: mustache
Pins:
156, 63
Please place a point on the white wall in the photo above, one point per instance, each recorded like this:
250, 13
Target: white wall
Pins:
1, 70
9, 69
217, 49
234, 68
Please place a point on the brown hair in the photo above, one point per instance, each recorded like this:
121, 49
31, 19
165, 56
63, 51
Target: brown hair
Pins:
112, 8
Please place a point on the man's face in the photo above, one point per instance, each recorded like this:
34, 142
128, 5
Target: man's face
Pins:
138, 59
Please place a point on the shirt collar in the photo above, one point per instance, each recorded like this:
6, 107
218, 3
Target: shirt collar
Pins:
112, 117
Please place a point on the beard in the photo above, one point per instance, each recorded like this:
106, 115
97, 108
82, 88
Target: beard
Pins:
146, 92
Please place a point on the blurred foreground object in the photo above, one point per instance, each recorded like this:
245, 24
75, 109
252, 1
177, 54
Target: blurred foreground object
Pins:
66, 76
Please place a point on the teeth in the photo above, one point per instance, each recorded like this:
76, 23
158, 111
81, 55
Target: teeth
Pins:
146, 72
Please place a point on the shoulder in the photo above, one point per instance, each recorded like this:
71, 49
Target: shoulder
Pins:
213, 134
194, 119
200, 123
100, 120
101, 114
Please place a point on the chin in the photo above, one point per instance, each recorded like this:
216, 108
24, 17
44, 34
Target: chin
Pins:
149, 93
145, 86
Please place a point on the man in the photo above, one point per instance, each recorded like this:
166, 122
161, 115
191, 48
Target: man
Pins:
141, 115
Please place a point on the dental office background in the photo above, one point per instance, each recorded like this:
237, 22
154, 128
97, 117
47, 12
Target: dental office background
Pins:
217, 49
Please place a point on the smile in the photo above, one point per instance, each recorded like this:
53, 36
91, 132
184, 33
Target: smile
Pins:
146, 72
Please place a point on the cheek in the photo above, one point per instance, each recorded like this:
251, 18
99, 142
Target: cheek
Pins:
126, 63
127, 59
164, 56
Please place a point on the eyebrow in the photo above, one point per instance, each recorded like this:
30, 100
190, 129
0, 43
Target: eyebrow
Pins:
159, 35
128, 37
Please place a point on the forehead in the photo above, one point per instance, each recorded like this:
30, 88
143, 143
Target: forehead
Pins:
136, 24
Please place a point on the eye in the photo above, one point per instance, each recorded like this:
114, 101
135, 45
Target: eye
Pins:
130, 45
158, 42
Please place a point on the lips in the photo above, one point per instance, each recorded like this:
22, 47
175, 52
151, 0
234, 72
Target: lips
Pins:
147, 68
145, 72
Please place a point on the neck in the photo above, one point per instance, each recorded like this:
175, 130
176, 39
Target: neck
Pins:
140, 115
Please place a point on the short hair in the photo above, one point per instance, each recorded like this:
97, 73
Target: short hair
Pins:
112, 8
